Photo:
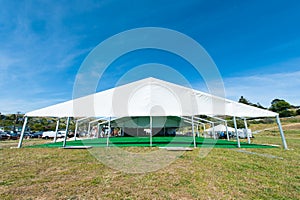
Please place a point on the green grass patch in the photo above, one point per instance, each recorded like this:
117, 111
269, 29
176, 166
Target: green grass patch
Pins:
156, 142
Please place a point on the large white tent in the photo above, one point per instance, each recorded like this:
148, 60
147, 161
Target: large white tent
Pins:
151, 97
140, 98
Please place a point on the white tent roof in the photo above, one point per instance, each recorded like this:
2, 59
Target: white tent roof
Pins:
150, 97
220, 128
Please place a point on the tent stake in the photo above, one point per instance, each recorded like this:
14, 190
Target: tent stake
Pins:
246, 127
281, 133
236, 132
22, 132
67, 129
56, 130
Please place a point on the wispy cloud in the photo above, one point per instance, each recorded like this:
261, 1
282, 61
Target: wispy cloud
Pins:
265, 88
13, 105
36, 53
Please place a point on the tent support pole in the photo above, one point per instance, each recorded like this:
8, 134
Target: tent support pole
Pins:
98, 128
281, 132
22, 132
193, 130
214, 133
151, 127
246, 127
197, 128
56, 130
236, 133
89, 129
109, 130
227, 130
76, 130
67, 129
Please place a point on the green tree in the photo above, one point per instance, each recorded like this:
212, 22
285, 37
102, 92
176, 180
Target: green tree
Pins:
244, 101
37, 127
298, 112
247, 102
239, 123
259, 106
282, 107
278, 105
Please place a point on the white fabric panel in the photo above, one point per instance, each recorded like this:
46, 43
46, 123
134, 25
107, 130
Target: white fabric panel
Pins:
220, 128
150, 97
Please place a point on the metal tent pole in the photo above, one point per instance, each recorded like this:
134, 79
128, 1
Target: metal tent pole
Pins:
67, 129
281, 132
193, 130
236, 132
109, 130
22, 132
246, 127
98, 128
151, 127
76, 129
89, 129
227, 130
214, 133
56, 130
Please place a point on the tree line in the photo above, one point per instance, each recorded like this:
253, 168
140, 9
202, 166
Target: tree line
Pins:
284, 108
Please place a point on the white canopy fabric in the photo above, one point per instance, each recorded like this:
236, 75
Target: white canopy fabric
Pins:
150, 97
220, 128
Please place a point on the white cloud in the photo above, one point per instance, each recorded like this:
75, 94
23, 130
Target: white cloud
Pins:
13, 105
265, 88
35, 62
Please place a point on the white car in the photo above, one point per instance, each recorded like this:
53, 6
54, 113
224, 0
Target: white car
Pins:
51, 134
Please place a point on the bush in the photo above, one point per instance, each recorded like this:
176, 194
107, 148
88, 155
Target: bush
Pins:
286, 113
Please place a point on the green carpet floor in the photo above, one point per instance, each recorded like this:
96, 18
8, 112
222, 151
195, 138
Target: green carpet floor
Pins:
156, 142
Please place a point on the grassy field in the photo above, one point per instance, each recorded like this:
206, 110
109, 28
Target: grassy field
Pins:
53, 173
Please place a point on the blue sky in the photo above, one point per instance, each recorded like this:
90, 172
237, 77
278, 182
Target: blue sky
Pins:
255, 45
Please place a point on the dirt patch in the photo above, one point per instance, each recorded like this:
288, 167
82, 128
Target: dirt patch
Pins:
295, 126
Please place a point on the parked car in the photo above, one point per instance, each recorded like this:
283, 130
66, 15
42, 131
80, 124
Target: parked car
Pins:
37, 134
27, 134
51, 134
4, 135
13, 136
